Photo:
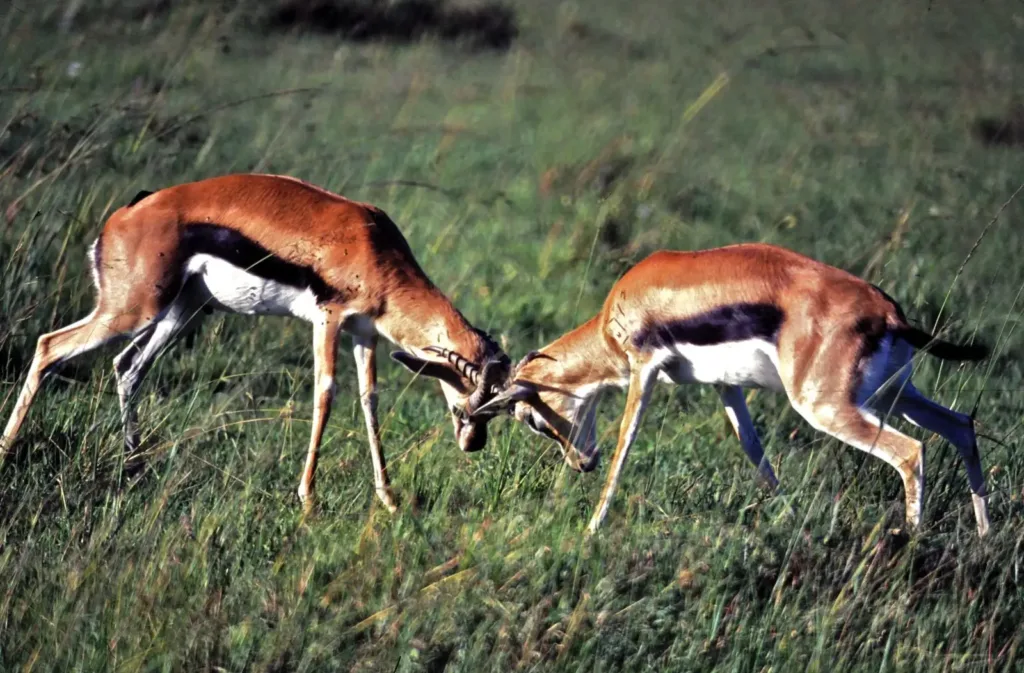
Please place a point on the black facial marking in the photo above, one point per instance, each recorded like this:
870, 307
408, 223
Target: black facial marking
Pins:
238, 250
138, 197
737, 322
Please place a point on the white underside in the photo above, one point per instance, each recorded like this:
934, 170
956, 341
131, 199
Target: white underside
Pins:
234, 289
754, 364
751, 364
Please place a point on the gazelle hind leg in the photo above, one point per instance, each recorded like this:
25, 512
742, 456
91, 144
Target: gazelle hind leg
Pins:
93, 331
131, 294
134, 362
958, 429
844, 421
123, 364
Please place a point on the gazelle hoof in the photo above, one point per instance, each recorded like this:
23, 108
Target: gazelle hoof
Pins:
980, 514
308, 499
388, 499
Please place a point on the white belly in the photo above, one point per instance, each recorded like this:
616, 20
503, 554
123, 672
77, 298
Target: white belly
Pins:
751, 364
236, 290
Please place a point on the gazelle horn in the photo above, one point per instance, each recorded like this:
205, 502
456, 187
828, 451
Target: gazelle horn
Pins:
494, 371
464, 366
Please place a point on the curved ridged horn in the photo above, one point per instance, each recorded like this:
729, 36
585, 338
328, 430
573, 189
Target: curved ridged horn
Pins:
506, 393
494, 371
464, 366
532, 355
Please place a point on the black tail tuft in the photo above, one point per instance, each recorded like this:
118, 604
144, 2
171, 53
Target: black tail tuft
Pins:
944, 350
138, 197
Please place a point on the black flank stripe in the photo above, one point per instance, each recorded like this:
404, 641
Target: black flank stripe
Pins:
736, 322
234, 248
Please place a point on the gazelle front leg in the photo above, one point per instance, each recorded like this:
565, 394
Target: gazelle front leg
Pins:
325, 347
739, 416
641, 383
365, 352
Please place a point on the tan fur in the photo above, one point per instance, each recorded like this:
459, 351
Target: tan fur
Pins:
354, 247
336, 237
831, 318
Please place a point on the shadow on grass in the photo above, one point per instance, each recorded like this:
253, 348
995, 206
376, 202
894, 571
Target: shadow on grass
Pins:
1007, 131
484, 26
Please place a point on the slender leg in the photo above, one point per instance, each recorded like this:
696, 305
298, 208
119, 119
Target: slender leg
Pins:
366, 367
51, 349
958, 429
325, 346
844, 421
739, 416
134, 362
641, 383
128, 378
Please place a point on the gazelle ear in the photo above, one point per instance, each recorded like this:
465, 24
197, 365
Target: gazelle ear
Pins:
434, 370
517, 392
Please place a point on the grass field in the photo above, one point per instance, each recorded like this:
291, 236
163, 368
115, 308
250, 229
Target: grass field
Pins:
526, 179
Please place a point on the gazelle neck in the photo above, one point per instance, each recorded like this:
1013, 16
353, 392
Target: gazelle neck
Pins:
427, 318
583, 361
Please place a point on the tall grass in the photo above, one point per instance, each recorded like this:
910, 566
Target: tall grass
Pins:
526, 180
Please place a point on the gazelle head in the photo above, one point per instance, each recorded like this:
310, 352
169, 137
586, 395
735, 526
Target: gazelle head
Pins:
467, 387
553, 406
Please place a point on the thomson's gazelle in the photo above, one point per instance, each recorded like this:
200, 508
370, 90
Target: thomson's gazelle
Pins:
746, 316
273, 245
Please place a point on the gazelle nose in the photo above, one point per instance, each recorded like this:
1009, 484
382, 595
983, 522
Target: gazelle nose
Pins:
579, 462
588, 464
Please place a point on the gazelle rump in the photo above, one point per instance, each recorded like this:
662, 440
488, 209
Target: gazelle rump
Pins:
748, 315
273, 245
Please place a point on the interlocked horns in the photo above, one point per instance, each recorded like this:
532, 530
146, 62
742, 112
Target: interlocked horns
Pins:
489, 377
511, 391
